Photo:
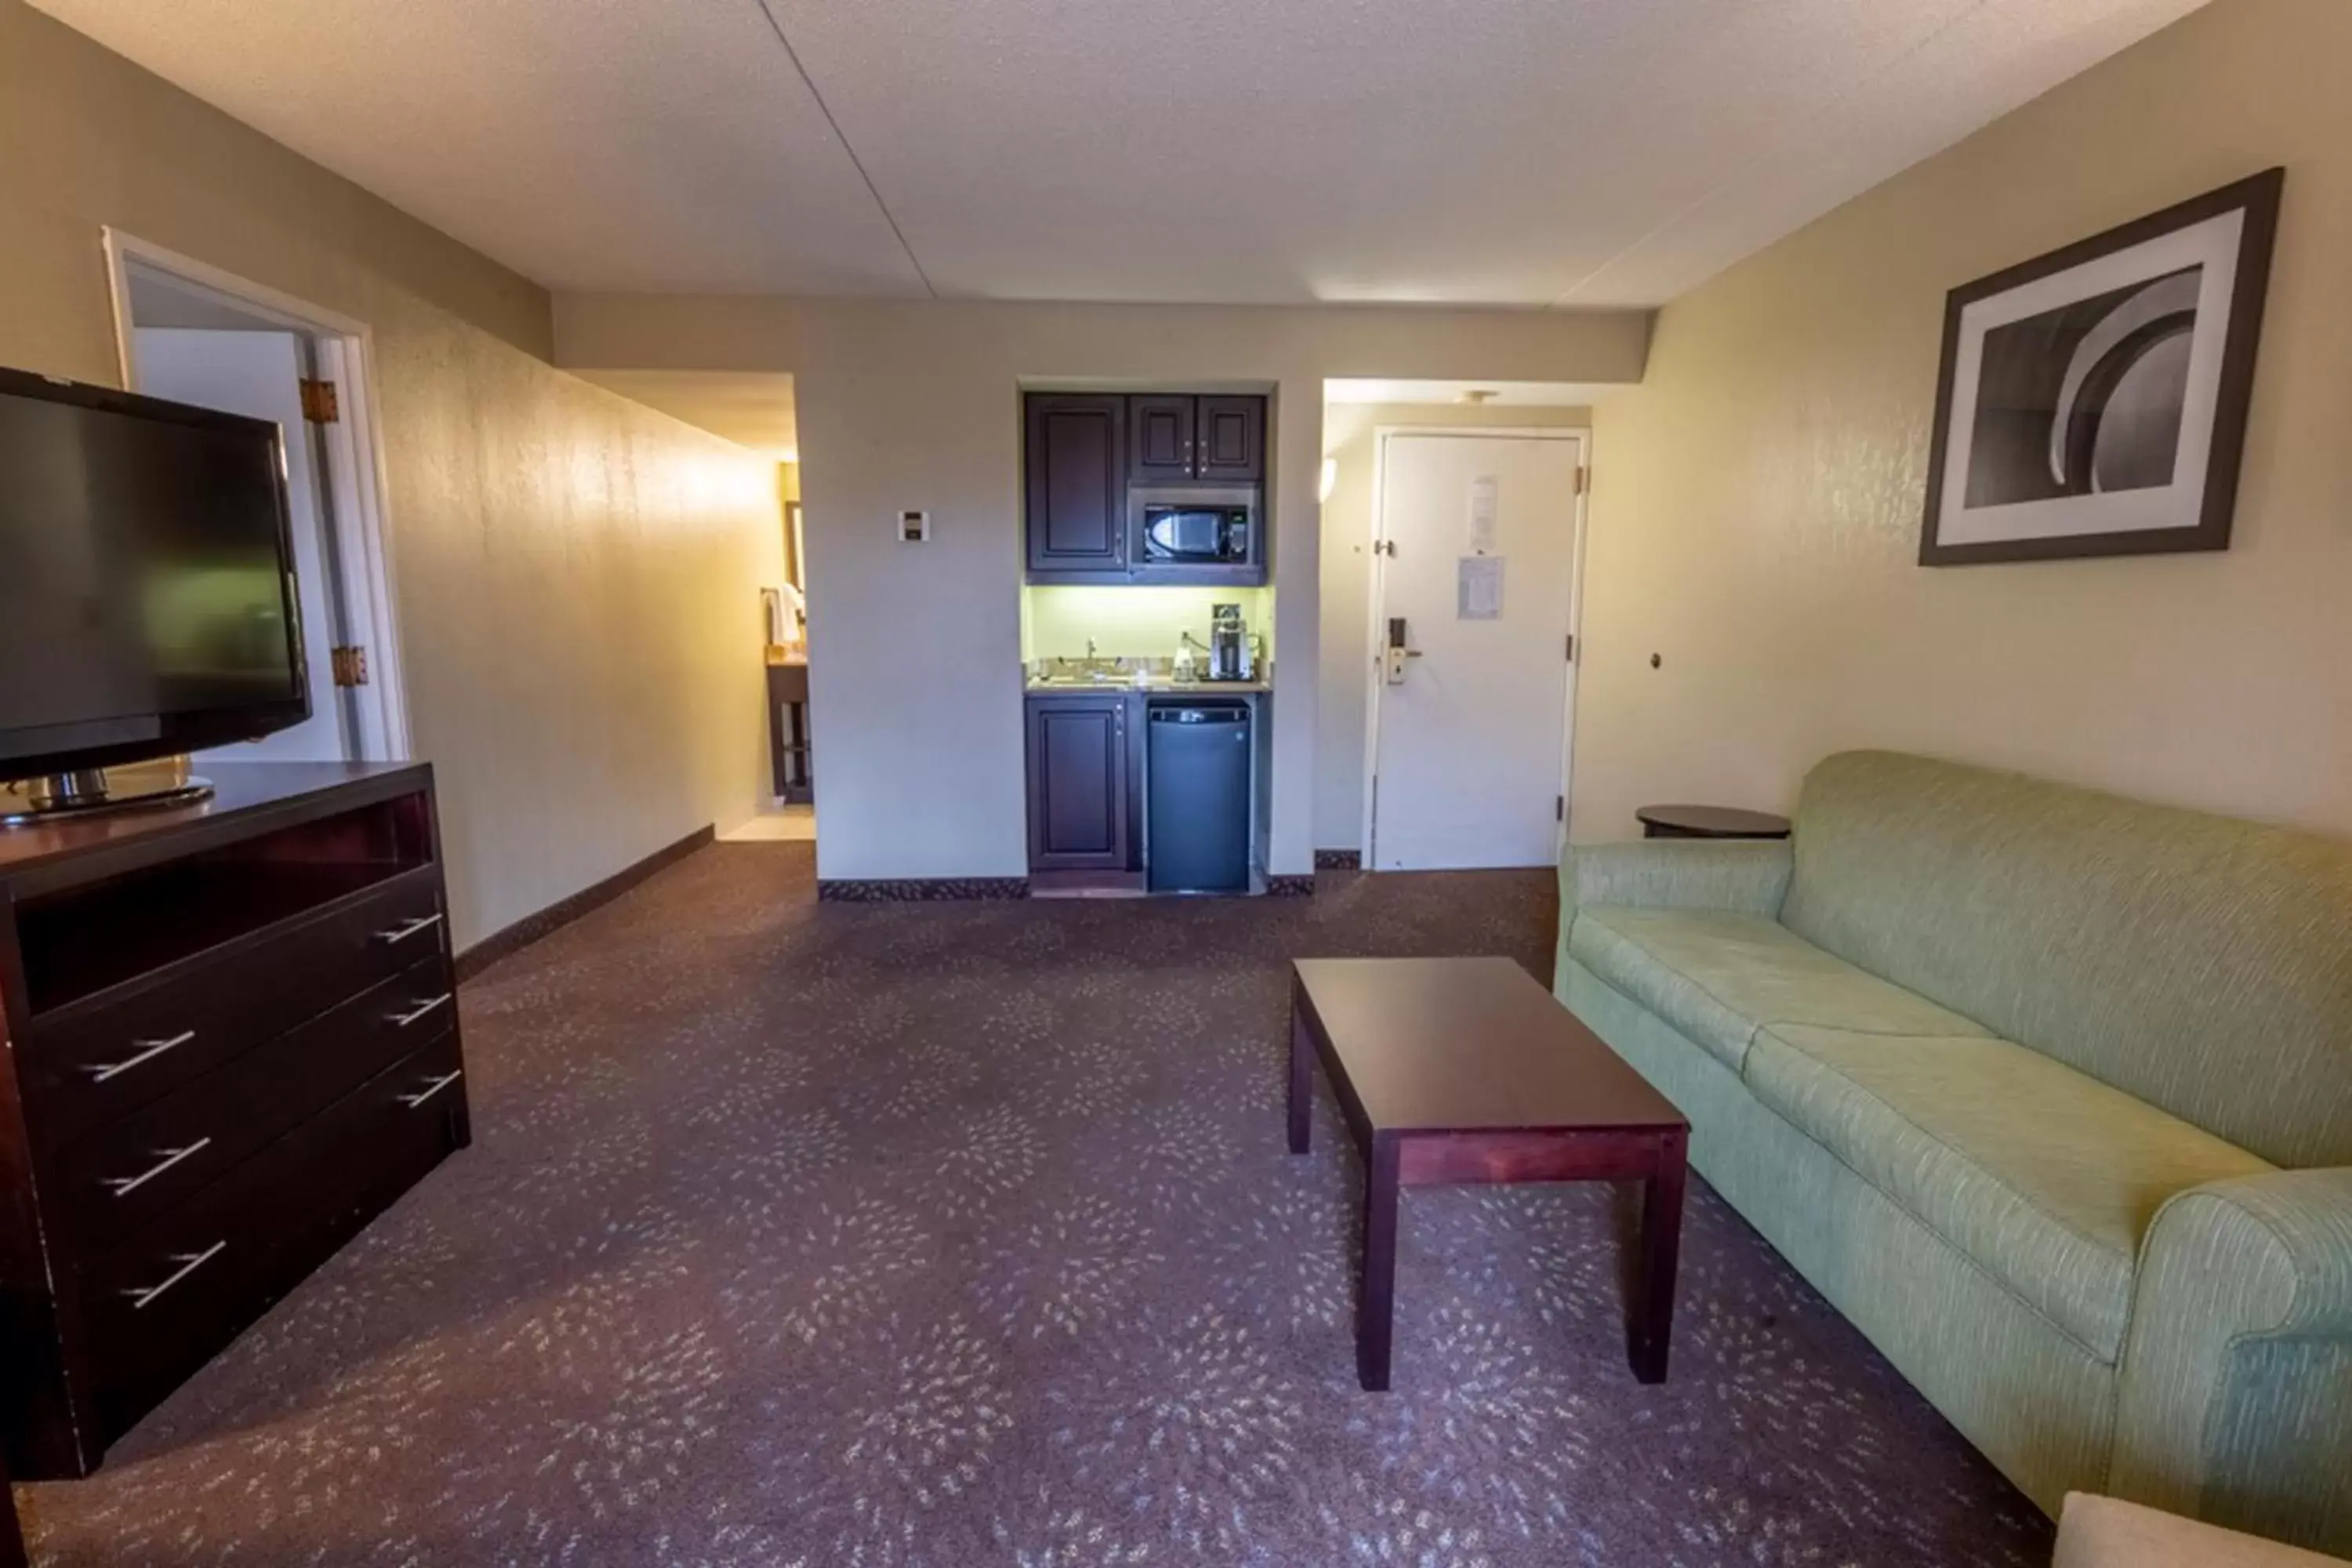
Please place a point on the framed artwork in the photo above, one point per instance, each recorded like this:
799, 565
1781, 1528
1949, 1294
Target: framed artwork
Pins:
2093, 402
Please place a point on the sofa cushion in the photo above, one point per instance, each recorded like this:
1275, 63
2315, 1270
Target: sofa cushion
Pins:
1719, 977
2201, 963
2044, 1176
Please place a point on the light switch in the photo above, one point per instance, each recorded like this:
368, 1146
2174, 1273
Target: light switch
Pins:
914, 527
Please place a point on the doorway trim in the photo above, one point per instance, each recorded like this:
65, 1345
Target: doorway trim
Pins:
1377, 585
345, 347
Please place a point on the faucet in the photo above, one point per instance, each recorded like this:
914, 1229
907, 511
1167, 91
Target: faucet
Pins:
1090, 650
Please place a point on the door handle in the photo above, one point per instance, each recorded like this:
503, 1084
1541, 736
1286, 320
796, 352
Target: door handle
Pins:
430, 1089
407, 929
123, 1186
149, 1050
189, 1263
402, 1020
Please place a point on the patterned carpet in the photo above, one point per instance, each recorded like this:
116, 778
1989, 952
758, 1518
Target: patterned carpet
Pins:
948, 1235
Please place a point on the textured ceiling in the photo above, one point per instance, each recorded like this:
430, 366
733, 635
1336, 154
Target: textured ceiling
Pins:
1519, 152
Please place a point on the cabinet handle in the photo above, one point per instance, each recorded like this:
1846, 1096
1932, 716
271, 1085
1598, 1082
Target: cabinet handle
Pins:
123, 1186
402, 1020
407, 929
189, 1263
430, 1089
148, 1051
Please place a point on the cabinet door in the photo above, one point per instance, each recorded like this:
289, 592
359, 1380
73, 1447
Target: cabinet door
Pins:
1078, 483
1159, 439
1079, 819
1232, 438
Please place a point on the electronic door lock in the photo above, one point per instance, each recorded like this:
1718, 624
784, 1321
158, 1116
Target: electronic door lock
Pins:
1397, 653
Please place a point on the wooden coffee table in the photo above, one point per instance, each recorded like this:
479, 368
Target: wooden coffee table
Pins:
1466, 1070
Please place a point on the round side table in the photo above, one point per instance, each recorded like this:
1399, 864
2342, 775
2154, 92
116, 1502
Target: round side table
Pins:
1709, 822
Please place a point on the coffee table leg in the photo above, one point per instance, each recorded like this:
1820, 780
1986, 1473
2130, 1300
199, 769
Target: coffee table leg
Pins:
1302, 1079
1662, 1240
1376, 1306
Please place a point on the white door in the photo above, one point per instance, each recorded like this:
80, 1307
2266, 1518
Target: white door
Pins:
259, 374
1477, 543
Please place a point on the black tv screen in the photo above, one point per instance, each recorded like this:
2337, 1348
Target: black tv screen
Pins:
147, 600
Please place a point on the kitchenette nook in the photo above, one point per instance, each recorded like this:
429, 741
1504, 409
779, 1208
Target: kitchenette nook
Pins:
1146, 618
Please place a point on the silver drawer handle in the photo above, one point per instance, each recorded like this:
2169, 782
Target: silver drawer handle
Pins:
149, 1050
407, 929
402, 1020
123, 1186
189, 1263
430, 1089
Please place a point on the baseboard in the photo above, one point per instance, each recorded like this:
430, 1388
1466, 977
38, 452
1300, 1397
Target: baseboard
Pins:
1338, 859
918, 890
513, 938
1289, 887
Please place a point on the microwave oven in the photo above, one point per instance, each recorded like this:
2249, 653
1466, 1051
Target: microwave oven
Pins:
1197, 525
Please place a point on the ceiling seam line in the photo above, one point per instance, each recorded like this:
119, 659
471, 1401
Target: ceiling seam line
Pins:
793, 54
1559, 300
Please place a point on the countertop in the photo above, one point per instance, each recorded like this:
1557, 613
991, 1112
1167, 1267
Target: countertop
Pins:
1150, 688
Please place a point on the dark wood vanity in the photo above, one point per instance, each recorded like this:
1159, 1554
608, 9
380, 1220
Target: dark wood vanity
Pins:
232, 1035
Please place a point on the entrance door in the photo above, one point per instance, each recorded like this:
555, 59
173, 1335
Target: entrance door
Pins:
1477, 558
259, 374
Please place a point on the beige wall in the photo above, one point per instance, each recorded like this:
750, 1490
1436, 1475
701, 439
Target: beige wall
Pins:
914, 650
576, 575
1757, 504
1345, 697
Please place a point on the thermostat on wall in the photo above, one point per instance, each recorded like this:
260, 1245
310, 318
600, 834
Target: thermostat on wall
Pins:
914, 527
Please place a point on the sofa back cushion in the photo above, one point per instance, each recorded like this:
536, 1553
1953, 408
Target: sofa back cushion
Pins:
2201, 963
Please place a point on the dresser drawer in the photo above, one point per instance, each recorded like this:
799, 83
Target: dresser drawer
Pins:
101, 1059
114, 1179
160, 1306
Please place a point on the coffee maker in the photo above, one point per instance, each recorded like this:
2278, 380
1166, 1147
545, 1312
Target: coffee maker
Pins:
1229, 644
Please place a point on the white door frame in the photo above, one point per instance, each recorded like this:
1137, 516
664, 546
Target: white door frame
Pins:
1376, 633
355, 479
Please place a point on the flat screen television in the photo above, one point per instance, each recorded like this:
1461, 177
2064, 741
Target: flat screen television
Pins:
147, 595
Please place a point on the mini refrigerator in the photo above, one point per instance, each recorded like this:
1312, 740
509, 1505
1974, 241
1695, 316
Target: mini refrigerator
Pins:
1199, 799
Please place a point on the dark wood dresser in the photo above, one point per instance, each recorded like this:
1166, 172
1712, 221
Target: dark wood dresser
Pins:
232, 1035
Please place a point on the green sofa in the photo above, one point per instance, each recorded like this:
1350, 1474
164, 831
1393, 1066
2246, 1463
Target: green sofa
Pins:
2048, 1092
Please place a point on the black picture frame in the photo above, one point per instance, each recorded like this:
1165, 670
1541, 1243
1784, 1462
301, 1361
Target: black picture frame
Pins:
2258, 197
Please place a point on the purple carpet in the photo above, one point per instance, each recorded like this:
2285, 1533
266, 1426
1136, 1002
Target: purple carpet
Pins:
963, 1234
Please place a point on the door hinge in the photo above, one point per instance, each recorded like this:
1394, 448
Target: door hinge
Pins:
1571, 647
1581, 471
349, 665
1560, 808
318, 405
1384, 547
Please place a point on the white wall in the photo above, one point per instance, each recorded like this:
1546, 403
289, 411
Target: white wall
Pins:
915, 649
577, 576
1345, 697
1757, 504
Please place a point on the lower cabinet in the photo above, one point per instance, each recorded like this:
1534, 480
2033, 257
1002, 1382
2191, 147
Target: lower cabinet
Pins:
1084, 783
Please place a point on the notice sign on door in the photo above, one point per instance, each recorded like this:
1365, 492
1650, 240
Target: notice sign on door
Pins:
1478, 588
1485, 506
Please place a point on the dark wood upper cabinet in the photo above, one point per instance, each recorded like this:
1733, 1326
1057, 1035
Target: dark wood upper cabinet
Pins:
1159, 439
1081, 805
1078, 482
1230, 440
1086, 451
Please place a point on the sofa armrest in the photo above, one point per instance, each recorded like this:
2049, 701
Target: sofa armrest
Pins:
2235, 1402
2103, 1532
1749, 876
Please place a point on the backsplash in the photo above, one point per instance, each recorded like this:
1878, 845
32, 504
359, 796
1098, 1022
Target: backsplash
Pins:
1131, 622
